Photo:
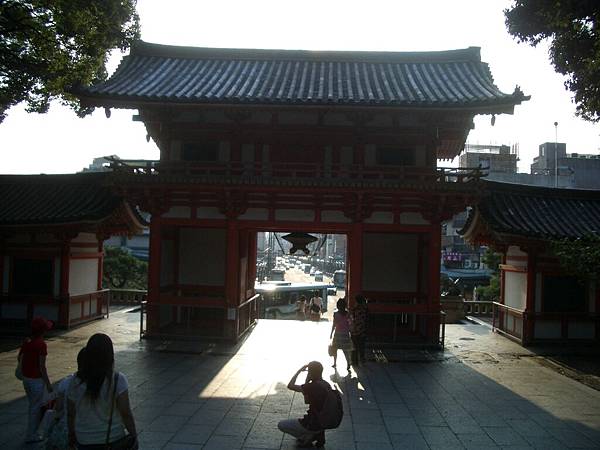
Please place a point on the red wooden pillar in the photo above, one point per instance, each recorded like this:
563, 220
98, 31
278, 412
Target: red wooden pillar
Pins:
355, 262
63, 288
251, 259
232, 280
153, 297
528, 320
433, 297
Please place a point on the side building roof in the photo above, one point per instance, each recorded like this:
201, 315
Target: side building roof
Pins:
155, 73
509, 211
84, 201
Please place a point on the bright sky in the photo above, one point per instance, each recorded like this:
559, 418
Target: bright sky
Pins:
60, 142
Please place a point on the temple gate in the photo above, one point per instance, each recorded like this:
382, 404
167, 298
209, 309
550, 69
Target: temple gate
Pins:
271, 140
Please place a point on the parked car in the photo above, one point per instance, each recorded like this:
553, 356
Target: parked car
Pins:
318, 276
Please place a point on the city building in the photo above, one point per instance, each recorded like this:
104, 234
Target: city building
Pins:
278, 140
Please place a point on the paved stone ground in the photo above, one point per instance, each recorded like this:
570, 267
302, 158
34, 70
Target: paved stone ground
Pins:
482, 392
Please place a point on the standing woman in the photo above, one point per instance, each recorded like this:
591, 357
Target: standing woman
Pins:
316, 306
359, 315
32, 357
99, 410
340, 331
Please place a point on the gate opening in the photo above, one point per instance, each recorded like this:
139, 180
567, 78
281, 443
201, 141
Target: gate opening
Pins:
290, 285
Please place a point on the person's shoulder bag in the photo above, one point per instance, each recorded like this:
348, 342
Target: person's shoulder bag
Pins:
128, 442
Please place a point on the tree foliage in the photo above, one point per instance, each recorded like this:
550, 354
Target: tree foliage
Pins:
124, 271
571, 27
49, 47
579, 257
491, 292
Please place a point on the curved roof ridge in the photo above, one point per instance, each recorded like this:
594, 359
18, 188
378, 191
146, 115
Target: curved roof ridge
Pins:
469, 54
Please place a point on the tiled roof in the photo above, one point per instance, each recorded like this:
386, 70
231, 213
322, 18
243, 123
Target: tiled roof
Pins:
55, 199
537, 212
171, 74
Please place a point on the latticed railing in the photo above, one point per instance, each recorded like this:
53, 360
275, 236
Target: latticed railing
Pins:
301, 171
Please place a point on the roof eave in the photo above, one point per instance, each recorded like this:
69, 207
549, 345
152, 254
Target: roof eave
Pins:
504, 107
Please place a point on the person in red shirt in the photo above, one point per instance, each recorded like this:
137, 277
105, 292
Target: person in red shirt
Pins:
36, 383
315, 389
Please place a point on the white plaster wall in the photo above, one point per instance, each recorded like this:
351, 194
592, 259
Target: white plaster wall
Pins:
390, 262
167, 263
514, 251
202, 256
300, 215
515, 285
178, 211
83, 276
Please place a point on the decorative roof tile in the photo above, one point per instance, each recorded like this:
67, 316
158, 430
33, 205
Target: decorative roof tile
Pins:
536, 212
171, 74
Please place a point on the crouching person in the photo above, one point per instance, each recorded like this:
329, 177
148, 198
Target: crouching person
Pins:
324, 407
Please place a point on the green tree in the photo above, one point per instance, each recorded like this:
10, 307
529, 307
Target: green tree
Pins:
491, 292
579, 257
124, 271
49, 47
571, 27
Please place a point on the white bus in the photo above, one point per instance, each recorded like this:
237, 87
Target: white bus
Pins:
279, 299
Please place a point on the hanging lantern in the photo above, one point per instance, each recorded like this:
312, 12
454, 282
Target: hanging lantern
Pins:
299, 241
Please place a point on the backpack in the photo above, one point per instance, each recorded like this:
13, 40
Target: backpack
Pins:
332, 412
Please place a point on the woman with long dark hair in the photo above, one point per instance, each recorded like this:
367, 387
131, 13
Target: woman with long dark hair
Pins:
340, 331
99, 411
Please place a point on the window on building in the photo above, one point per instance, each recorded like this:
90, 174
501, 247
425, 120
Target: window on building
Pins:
32, 276
563, 294
200, 151
393, 156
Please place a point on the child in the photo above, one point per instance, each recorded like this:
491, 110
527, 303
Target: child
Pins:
58, 436
36, 383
